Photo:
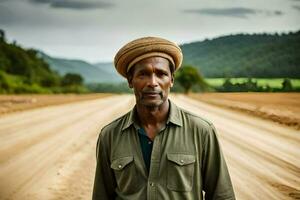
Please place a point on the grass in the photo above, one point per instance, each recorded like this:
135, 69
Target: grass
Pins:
14, 84
272, 82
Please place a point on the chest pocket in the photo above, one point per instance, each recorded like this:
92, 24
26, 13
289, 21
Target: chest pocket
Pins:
126, 174
180, 172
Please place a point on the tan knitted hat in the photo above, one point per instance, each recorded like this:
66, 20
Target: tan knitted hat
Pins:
146, 47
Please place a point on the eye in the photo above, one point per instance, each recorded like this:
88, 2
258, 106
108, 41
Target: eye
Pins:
141, 74
162, 73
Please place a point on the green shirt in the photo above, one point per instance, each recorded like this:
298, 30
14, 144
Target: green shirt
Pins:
186, 161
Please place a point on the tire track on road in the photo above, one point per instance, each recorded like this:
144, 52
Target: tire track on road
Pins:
38, 164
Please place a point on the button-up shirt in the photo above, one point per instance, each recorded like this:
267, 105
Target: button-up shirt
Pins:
186, 161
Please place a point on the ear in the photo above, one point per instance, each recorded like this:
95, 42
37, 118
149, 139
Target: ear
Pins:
129, 80
172, 79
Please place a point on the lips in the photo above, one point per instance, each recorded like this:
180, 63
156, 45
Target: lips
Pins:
151, 94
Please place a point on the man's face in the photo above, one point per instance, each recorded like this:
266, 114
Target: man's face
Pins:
151, 80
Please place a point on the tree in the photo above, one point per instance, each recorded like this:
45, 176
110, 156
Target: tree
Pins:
2, 35
50, 80
189, 76
70, 79
227, 85
287, 85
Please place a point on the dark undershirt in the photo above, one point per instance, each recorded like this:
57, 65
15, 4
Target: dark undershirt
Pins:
146, 146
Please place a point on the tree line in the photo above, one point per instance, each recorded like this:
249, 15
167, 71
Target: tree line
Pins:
189, 79
246, 55
251, 85
22, 71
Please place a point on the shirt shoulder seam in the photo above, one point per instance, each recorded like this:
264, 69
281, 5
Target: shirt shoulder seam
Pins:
196, 116
115, 122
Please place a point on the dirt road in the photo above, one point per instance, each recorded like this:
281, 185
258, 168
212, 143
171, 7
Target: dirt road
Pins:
49, 153
263, 156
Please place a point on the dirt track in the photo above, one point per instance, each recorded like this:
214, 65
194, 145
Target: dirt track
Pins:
283, 108
49, 153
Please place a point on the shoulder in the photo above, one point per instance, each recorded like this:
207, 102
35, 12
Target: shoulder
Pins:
202, 127
195, 120
115, 126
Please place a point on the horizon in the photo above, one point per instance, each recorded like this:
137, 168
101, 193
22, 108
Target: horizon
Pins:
94, 30
111, 61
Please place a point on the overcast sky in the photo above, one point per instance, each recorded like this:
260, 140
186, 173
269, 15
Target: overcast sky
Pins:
93, 30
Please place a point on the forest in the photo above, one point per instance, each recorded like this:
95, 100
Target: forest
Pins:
246, 55
22, 71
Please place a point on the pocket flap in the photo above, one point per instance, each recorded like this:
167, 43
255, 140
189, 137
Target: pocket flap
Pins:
181, 159
120, 163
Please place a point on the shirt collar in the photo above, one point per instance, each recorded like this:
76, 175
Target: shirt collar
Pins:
174, 117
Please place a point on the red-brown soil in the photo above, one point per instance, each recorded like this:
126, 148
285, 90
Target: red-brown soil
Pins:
13, 103
283, 108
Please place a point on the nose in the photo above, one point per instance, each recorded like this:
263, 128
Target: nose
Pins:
153, 81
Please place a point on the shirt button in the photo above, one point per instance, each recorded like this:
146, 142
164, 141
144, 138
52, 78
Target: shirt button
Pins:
181, 161
151, 184
120, 166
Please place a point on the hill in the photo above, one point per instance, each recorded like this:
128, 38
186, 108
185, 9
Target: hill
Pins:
90, 72
106, 66
245, 55
23, 71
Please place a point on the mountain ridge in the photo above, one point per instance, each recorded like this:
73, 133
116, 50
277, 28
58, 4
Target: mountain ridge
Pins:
240, 55
90, 72
246, 55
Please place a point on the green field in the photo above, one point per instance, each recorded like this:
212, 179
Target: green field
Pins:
272, 82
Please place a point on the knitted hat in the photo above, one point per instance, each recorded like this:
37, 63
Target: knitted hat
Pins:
146, 47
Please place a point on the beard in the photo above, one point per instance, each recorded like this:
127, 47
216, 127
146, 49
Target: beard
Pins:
150, 98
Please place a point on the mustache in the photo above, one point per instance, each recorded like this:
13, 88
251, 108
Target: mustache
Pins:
151, 91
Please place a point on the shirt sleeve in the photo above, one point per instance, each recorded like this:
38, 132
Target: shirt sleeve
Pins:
216, 180
104, 183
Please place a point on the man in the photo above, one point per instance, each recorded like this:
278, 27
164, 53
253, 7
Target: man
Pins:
157, 150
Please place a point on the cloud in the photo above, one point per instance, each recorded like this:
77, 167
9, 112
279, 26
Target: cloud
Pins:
80, 5
238, 12
75, 4
41, 1
271, 13
296, 7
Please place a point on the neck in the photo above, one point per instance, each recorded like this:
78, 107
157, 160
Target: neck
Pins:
153, 116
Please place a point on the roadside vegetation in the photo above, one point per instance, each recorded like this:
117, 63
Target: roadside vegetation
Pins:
243, 63
22, 71
254, 84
